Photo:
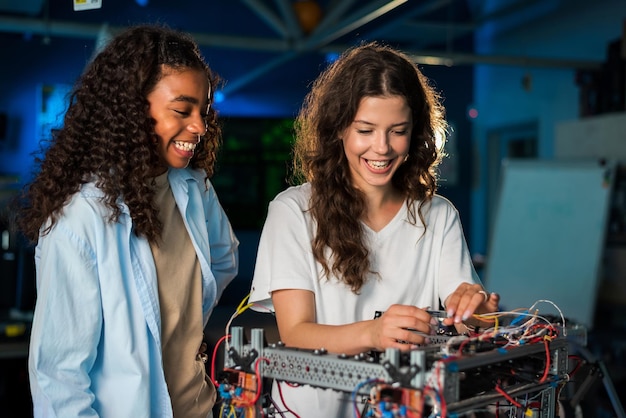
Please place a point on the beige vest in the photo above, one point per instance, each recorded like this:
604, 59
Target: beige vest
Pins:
180, 298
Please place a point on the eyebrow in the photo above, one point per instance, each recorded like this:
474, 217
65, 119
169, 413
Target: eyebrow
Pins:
186, 99
373, 124
189, 99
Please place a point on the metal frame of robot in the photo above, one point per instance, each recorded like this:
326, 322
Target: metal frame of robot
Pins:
344, 373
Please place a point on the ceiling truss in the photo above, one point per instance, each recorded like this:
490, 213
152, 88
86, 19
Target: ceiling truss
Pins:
344, 17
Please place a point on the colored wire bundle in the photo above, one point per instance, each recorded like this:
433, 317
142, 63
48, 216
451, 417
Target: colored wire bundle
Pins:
510, 329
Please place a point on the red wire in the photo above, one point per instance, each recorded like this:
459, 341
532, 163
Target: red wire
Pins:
507, 396
579, 363
547, 369
259, 379
213, 358
444, 407
462, 346
282, 399
436, 396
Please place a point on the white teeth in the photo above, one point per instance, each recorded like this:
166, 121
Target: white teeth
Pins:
378, 164
185, 146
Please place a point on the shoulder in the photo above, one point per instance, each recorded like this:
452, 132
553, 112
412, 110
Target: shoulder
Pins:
295, 195
440, 203
89, 199
290, 204
84, 214
439, 208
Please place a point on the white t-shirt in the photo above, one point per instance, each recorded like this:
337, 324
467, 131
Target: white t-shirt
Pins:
415, 268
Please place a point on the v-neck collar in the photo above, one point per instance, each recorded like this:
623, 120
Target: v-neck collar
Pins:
390, 227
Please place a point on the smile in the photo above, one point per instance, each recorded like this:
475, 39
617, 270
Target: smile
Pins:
185, 146
378, 165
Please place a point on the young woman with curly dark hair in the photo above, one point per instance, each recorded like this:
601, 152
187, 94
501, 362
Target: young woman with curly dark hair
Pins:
366, 233
133, 248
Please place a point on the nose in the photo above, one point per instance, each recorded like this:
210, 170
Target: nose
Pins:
198, 125
380, 143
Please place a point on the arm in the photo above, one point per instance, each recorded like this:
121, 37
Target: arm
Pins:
66, 326
223, 243
295, 316
469, 295
286, 277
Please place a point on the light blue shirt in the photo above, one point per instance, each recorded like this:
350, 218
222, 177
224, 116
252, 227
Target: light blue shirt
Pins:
95, 347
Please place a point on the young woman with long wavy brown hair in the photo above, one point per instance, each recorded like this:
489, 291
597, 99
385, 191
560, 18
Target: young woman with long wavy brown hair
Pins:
365, 235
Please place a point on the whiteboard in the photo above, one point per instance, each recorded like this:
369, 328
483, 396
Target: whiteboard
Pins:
600, 136
548, 236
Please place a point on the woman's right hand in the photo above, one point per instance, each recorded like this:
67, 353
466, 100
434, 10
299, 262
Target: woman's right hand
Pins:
402, 327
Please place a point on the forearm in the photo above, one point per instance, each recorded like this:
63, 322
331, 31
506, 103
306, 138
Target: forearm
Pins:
346, 339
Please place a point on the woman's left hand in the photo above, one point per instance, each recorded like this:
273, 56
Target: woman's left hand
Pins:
468, 299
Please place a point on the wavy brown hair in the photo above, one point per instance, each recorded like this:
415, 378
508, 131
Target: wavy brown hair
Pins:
367, 70
108, 134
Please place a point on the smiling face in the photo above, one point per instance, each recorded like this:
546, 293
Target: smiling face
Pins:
179, 103
377, 141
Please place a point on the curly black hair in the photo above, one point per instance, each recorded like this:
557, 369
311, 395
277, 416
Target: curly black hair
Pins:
108, 135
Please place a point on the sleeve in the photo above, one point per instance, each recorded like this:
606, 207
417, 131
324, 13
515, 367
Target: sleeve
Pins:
224, 246
455, 262
66, 327
285, 257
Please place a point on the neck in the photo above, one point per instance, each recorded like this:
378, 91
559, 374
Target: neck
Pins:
382, 206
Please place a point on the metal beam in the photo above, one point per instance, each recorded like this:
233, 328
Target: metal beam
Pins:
268, 16
422, 9
242, 42
332, 15
91, 31
450, 59
328, 31
362, 17
51, 27
286, 9
420, 25
250, 76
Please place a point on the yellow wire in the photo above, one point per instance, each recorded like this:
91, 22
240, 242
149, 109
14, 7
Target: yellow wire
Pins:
244, 308
243, 301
